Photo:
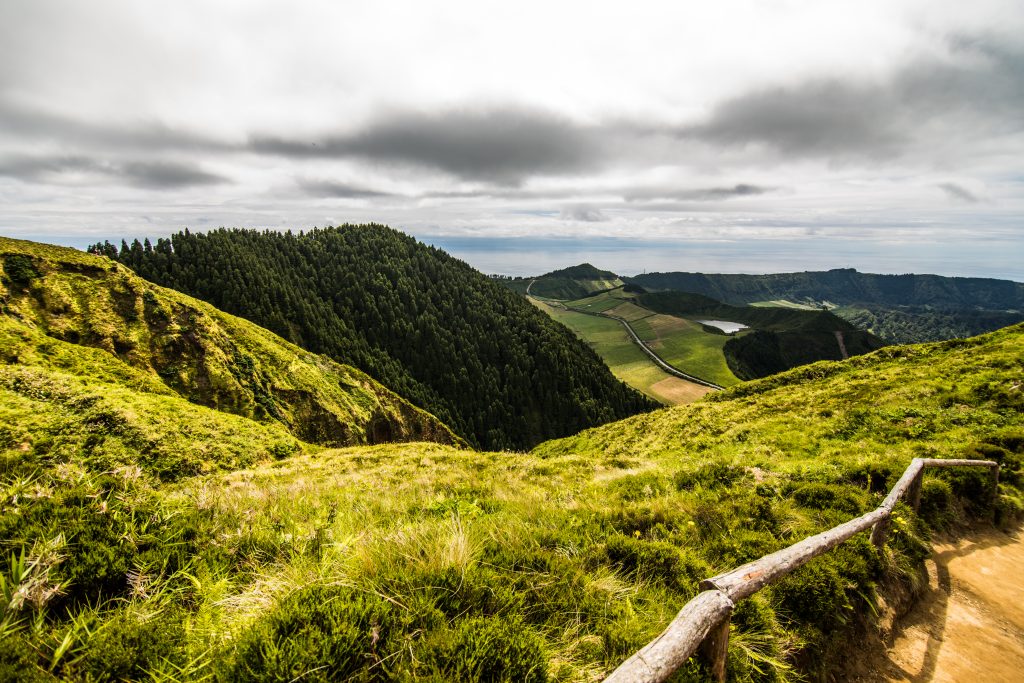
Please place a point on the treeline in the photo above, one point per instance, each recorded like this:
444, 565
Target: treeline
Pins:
847, 286
482, 359
913, 325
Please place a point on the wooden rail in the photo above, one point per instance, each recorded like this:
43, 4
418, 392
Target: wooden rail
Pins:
703, 623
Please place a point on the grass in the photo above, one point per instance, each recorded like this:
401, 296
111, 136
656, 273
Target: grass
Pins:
688, 346
424, 562
85, 315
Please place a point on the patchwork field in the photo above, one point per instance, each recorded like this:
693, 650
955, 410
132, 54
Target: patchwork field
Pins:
681, 343
625, 359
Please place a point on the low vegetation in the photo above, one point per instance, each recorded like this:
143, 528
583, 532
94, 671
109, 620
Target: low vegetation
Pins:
423, 561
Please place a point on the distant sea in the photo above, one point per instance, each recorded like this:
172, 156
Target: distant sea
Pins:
536, 256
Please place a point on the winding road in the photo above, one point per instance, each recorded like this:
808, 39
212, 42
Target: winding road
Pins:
658, 360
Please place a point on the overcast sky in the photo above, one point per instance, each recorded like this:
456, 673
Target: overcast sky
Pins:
739, 136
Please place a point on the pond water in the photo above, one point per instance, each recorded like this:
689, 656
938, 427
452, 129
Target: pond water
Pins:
724, 325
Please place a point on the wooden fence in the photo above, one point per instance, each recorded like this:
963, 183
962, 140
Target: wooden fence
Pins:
703, 623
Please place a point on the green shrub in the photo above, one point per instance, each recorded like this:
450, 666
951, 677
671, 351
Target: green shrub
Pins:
815, 594
489, 650
829, 496
19, 661
873, 475
641, 486
709, 475
321, 633
938, 504
125, 647
971, 485
20, 268
656, 561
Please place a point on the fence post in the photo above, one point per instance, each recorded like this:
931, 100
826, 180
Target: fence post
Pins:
994, 475
914, 491
880, 532
715, 647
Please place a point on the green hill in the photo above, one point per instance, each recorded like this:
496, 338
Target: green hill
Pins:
898, 308
67, 315
451, 340
574, 282
425, 562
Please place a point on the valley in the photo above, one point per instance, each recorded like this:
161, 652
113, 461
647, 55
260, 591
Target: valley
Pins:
693, 338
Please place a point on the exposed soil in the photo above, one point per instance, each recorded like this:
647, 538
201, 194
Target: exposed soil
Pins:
677, 391
969, 623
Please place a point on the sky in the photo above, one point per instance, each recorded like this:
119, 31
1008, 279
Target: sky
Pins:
727, 136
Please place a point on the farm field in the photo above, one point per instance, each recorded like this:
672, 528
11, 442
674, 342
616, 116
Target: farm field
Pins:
626, 361
681, 343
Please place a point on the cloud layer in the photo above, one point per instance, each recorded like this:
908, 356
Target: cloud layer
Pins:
890, 123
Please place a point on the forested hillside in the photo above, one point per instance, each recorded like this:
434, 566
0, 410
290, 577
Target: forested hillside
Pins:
898, 308
431, 328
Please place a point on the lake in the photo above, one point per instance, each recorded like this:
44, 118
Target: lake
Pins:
723, 325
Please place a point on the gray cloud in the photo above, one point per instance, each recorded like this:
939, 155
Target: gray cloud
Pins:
958, 192
583, 212
498, 145
979, 93
29, 123
329, 188
696, 194
164, 175
159, 175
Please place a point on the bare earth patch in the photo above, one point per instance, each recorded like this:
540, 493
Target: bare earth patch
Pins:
969, 624
675, 391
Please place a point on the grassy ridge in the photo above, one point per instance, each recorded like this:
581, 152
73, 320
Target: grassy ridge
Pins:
570, 283
85, 315
424, 562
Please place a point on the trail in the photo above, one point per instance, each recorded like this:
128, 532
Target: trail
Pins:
969, 624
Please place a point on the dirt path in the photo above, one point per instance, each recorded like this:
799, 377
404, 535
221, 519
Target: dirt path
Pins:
969, 624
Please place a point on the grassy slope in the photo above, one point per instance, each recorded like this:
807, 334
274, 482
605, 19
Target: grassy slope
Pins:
86, 316
423, 562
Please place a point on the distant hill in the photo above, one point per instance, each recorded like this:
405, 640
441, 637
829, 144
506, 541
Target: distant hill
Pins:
574, 282
438, 332
898, 308
71, 313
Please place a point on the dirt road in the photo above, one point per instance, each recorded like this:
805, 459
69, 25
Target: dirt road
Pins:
969, 624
